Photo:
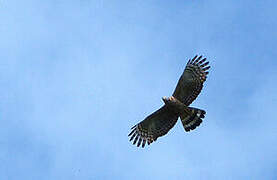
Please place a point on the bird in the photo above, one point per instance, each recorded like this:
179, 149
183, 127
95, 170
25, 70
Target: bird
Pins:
161, 121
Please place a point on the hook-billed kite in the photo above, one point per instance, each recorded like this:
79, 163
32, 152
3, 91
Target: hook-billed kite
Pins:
161, 121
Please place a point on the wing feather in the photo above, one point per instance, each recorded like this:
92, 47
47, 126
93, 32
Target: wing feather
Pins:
155, 125
191, 82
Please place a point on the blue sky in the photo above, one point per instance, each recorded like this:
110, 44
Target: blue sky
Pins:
76, 75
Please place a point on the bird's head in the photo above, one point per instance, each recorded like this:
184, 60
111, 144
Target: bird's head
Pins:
168, 100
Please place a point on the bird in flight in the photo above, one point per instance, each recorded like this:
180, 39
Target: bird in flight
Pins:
161, 121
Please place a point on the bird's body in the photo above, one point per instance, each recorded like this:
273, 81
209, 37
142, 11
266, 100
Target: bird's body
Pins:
161, 121
175, 105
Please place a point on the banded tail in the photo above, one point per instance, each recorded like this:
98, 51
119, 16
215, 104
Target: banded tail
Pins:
190, 122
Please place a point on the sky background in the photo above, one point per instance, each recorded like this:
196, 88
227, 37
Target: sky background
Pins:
76, 75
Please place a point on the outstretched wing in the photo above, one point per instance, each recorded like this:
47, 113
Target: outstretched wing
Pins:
191, 82
155, 125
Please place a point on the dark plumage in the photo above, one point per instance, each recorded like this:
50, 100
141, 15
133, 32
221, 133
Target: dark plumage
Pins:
161, 121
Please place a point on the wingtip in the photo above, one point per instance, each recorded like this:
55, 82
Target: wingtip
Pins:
206, 68
132, 137
136, 139
193, 59
143, 143
139, 142
131, 132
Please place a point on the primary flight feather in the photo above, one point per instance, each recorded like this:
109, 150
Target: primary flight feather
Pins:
161, 121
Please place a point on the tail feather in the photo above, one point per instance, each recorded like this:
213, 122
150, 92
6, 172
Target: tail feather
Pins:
190, 122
